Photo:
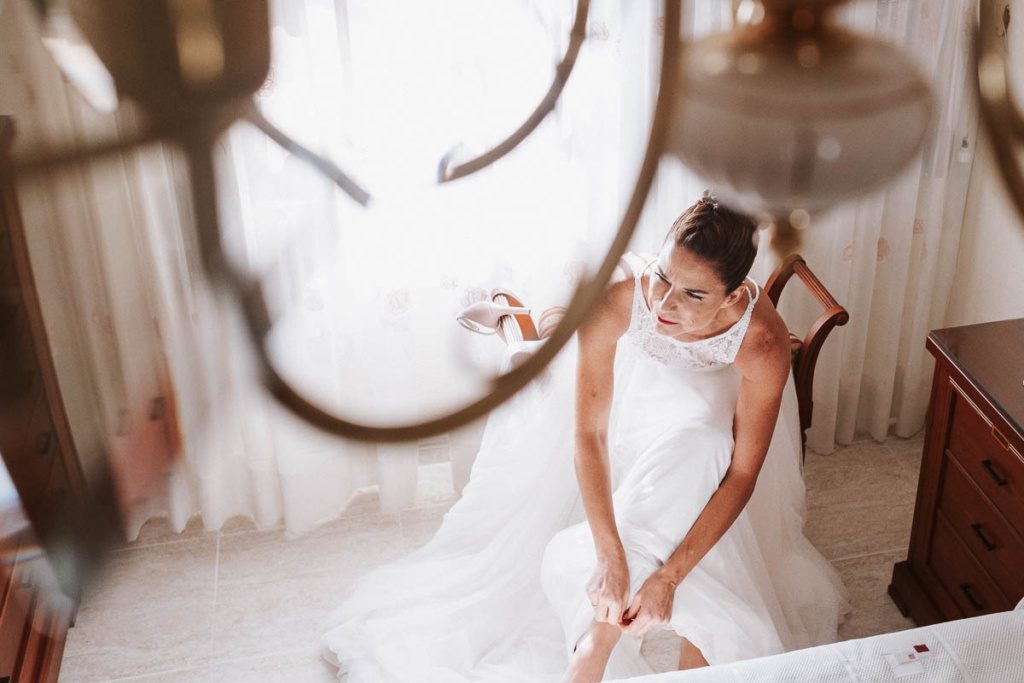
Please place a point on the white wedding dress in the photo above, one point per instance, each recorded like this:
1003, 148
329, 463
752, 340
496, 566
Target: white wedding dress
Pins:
498, 593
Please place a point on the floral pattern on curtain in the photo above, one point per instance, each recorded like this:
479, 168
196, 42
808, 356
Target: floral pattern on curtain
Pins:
890, 257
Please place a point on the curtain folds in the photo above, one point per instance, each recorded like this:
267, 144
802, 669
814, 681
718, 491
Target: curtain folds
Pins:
890, 257
387, 89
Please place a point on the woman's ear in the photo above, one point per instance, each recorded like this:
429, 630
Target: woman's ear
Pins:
732, 297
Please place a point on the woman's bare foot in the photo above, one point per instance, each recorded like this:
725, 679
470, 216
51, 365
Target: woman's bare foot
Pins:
591, 655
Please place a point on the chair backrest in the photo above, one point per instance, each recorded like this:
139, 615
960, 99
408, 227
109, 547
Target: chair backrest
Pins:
805, 351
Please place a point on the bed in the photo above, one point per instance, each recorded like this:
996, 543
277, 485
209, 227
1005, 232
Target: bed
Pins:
980, 649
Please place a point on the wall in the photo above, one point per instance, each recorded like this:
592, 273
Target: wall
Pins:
989, 280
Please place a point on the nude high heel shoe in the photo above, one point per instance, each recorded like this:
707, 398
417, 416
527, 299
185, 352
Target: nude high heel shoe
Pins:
483, 316
504, 314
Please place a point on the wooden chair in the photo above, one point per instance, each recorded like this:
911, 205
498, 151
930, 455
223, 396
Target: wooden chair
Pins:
805, 351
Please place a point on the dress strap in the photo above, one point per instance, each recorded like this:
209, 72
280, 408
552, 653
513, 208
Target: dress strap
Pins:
739, 330
757, 291
638, 290
629, 262
643, 270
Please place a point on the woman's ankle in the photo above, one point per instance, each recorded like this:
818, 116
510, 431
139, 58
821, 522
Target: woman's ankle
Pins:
590, 657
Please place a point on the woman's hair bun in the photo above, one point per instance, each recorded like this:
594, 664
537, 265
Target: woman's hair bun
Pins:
709, 198
725, 238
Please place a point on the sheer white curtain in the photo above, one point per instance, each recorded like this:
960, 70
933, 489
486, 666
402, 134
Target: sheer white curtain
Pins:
89, 235
386, 89
890, 257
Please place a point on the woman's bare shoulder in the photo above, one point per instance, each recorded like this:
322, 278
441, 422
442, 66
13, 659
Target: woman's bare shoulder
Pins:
615, 309
766, 342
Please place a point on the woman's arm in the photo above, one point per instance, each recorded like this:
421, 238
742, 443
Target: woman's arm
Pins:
764, 363
598, 338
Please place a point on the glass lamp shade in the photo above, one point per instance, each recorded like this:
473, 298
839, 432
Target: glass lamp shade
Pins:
797, 121
175, 56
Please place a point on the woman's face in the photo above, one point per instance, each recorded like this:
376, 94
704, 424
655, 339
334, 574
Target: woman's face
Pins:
686, 293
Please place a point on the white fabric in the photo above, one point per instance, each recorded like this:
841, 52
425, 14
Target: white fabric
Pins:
469, 605
983, 649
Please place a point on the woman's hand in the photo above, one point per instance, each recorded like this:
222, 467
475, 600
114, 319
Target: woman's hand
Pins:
608, 589
651, 606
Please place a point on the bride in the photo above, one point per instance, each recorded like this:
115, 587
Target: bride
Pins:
594, 515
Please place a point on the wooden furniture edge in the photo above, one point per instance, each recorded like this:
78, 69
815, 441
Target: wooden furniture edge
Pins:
910, 598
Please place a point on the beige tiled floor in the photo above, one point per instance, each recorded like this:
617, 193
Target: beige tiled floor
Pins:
247, 605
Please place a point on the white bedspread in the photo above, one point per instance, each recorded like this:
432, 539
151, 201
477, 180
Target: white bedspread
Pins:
988, 648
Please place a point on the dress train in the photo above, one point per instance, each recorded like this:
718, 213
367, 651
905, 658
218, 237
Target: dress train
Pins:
496, 594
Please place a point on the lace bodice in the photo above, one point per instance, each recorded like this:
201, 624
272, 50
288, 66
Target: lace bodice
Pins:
704, 354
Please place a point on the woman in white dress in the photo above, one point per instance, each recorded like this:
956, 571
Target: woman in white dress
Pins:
517, 586
666, 549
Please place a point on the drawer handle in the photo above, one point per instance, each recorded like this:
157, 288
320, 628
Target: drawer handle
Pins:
966, 588
45, 443
989, 545
996, 477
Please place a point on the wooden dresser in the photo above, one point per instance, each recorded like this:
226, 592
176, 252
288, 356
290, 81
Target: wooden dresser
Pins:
966, 553
39, 457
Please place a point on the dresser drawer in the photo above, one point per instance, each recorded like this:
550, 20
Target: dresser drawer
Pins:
12, 613
33, 652
32, 630
15, 415
18, 364
985, 532
6, 260
15, 614
30, 468
988, 457
55, 502
15, 338
967, 584
12, 319
14, 629
20, 388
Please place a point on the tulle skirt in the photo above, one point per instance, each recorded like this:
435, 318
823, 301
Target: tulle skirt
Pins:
498, 593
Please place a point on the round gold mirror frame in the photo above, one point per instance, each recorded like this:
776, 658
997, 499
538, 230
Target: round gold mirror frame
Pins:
199, 128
